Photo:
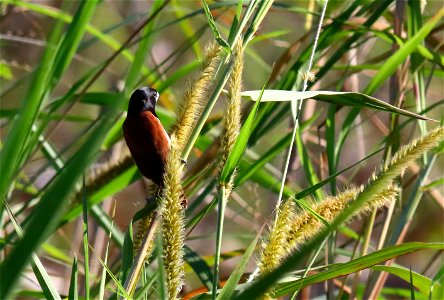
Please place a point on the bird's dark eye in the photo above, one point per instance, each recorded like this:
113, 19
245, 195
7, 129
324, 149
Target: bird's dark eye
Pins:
153, 98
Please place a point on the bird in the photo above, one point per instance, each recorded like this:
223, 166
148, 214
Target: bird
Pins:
147, 139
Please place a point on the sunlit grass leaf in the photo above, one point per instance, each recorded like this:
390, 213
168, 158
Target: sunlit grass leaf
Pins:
5, 71
338, 270
391, 64
340, 98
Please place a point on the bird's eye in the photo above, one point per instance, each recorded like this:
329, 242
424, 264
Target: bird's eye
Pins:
152, 98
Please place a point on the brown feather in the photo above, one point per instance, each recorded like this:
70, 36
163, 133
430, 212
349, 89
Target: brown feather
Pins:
148, 143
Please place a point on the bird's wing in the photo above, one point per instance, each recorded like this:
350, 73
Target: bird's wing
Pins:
157, 133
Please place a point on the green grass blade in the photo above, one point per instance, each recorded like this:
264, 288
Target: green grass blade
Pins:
244, 174
341, 98
375, 185
309, 170
121, 181
390, 66
142, 51
221, 205
231, 284
337, 270
103, 278
72, 39
161, 288
422, 283
223, 43
73, 287
5, 71
11, 154
104, 221
330, 124
45, 216
127, 253
66, 18
199, 266
141, 292
310, 190
120, 288
186, 27
85, 239
40, 273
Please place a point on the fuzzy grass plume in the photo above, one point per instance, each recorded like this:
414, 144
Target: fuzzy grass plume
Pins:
101, 177
233, 114
171, 211
295, 226
191, 106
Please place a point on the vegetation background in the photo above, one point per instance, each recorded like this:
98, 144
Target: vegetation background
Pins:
68, 68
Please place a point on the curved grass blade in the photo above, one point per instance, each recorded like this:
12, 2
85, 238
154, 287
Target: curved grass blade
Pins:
342, 98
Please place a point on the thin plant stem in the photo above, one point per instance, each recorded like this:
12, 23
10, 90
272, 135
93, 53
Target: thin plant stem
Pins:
221, 204
298, 110
85, 239
133, 276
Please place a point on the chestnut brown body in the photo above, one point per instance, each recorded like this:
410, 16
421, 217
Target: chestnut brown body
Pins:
145, 136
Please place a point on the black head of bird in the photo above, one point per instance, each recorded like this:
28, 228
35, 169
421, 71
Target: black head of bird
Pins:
143, 99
